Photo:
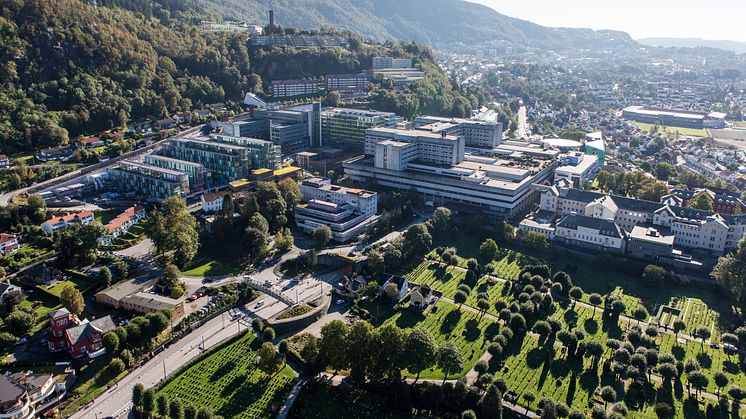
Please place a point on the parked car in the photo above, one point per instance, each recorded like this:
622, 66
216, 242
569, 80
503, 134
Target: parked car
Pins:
259, 304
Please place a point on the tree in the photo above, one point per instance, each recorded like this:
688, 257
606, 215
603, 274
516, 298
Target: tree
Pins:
701, 201
322, 235
548, 408
678, 326
312, 257
664, 410
449, 359
259, 222
654, 274
331, 346
228, 208
255, 242
576, 293
460, 298
594, 349
468, 414
721, 380
420, 351
595, 299
542, 328
490, 404
730, 273
20, 323
175, 409
162, 403
640, 314
72, 300
737, 393
608, 394
332, 99
487, 251
138, 392
173, 229
268, 360
441, 221
77, 245
667, 370
529, 398
703, 333
148, 402
104, 275
386, 352
698, 380
418, 239
111, 342
357, 344
268, 334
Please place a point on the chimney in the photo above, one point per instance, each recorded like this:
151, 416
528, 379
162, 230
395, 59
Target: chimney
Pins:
271, 29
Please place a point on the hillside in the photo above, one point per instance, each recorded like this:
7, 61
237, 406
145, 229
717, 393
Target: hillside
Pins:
67, 68
426, 21
734, 46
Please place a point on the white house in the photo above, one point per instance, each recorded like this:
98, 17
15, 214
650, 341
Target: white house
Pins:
211, 202
55, 224
122, 223
9, 243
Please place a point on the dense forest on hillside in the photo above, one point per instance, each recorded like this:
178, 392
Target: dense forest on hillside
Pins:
67, 68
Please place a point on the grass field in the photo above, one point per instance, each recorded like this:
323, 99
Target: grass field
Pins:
465, 329
672, 131
211, 261
228, 383
104, 216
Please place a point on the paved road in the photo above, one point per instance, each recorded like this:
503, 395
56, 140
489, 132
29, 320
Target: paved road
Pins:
523, 128
117, 401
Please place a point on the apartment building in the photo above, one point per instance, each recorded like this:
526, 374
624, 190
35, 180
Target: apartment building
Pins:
476, 133
346, 211
152, 183
391, 62
347, 83
122, 223
290, 88
56, 224
195, 171
577, 167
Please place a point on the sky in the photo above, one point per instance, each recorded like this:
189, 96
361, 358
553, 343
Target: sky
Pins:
714, 19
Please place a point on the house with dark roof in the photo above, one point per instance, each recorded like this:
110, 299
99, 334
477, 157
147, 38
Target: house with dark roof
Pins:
591, 233
77, 337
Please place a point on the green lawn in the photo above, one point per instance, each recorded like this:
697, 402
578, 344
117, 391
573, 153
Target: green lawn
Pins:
672, 131
446, 322
228, 383
104, 216
212, 261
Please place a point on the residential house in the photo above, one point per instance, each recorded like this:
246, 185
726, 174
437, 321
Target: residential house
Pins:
9, 243
212, 202
90, 142
165, 123
4, 161
6, 288
422, 296
122, 223
61, 153
77, 337
397, 283
24, 395
182, 117
56, 224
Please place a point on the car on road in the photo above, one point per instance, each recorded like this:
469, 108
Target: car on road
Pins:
341, 302
21, 341
259, 304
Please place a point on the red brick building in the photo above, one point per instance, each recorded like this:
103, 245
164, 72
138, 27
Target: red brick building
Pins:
78, 338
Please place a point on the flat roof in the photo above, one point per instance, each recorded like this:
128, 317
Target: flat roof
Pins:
652, 235
286, 170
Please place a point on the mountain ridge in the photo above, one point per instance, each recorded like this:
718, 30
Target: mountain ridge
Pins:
673, 42
429, 21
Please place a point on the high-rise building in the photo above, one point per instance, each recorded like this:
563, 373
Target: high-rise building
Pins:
346, 127
195, 171
475, 133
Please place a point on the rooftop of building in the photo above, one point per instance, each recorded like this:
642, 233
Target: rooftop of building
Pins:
151, 301
409, 133
137, 166
652, 235
118, 291
677, 113
587, 161
357, 112
604, 227
326, 185
173, 160
82, 331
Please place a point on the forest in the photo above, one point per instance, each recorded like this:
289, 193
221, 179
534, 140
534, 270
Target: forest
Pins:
68, 68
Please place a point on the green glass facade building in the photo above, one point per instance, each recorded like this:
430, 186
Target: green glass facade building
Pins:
341, 127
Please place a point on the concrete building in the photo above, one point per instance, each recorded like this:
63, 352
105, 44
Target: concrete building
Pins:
195, 171
674, 118
152, 183
290, 88
499, 187
346, 127
691, 229
25, 395
395, 149
346, 211
475, 133
577, 168
134, 296
591, 233
347, 83
391, 62
650, 243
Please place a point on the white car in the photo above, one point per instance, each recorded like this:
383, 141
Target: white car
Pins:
259, 304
